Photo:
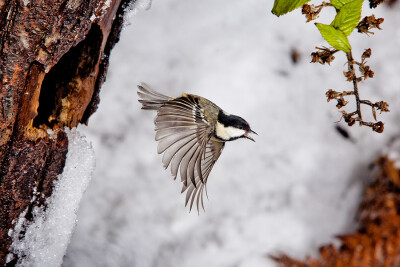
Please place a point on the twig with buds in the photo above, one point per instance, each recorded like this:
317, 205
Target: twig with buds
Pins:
366, 72
347, 18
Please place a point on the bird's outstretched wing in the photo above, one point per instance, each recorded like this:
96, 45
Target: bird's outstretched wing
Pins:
213, 151
151, 99
184, 136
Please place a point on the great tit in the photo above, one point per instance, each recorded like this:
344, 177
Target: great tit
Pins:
191, 132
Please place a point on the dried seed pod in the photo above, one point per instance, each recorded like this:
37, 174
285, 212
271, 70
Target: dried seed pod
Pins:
330, 94
311, 11
366, 71
375, 3
369, 22
323, 55
341, 102
349, 75
378, 127
382, 106
348, 118
366, 54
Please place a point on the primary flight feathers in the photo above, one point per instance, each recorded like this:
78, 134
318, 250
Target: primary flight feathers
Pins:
186, 135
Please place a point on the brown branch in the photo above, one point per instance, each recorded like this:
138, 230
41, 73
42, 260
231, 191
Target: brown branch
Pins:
352, 117
350, 63
351, 76
367, 102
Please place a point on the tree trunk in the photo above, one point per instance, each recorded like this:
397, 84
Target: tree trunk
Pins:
53, 61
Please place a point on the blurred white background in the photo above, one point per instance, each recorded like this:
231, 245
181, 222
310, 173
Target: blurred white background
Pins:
292, 191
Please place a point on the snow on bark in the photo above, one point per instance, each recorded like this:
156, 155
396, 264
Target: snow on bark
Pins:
47, 236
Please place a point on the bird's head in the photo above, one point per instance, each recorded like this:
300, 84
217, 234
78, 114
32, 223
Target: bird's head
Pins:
231, 127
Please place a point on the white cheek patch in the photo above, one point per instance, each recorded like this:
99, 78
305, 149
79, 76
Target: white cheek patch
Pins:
226, 133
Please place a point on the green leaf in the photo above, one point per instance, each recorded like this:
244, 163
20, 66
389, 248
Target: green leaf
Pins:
338, 4
348, 17
334, 37
282, 7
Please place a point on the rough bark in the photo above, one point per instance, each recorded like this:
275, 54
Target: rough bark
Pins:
53, 60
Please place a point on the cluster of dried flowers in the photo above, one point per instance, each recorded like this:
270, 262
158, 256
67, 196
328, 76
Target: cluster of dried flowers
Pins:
369, 22
366, 72
326, 55
377, 241
312, 11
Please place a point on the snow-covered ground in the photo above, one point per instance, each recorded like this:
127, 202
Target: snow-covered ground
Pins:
291, 191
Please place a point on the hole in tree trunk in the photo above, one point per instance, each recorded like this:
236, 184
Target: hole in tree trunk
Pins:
68, 87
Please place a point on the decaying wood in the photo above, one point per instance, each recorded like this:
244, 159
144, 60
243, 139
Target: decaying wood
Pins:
377, 241
53, 60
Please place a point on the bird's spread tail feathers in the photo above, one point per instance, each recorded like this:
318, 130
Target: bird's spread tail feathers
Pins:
150, 98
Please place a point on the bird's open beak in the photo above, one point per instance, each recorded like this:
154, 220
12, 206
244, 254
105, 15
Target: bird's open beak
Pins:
251, 131
247, 135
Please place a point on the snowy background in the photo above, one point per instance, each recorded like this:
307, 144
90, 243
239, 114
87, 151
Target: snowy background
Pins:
293, 190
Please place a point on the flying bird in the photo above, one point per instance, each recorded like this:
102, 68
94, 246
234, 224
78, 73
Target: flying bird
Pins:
191, 132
